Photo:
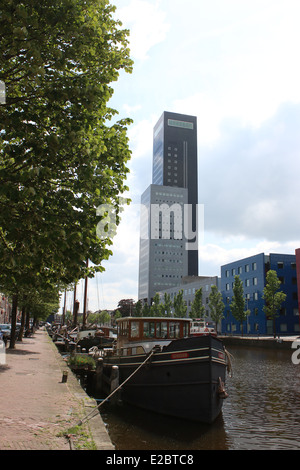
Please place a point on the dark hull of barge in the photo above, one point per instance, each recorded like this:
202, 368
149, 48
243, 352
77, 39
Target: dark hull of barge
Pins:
182, 380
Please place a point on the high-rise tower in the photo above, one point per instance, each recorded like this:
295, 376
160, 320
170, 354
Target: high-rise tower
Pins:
164, 257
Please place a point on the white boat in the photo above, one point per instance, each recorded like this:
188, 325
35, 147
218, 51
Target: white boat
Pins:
200, 327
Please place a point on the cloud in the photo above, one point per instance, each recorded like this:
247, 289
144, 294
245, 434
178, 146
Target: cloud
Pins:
218, 253
121, 270
249, 180
239, 63
141, 144
209, 112
147, 23
141, 136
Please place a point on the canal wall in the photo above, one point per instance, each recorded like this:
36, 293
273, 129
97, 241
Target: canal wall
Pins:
97, 427
259, 342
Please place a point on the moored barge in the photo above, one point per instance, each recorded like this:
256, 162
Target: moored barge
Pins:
165, 370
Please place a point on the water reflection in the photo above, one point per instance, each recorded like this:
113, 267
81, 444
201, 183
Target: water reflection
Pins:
263, 408
132, 429
262, 412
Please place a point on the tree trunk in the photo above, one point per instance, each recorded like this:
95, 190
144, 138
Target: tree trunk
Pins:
274, 327
22, 324
13, 321
27, 321
75, 314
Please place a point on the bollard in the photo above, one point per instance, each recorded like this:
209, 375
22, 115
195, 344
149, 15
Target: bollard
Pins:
114, 378
114, 383
64, 376
98, 375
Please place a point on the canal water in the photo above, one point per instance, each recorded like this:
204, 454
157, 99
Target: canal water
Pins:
262, 412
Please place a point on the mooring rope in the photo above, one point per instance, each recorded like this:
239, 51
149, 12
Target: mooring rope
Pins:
229, 363
92, 413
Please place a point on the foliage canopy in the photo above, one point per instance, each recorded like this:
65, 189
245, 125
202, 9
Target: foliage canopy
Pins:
61, 157
273, 296
238, 302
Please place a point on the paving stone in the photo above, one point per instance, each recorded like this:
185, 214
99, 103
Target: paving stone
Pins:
35, 404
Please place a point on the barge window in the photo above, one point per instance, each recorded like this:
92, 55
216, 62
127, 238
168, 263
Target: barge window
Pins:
134, 329
162, 330
123, 328
186, 329
174, 329
149, 329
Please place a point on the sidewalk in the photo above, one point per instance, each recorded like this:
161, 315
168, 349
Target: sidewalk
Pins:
36, 408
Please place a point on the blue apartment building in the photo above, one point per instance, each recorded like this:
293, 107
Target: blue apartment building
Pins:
252, 271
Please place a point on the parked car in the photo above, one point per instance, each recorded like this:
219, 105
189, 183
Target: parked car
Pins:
5, 329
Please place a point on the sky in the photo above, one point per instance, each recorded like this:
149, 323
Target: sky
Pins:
234, 65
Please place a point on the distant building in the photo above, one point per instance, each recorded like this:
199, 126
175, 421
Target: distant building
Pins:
297, 255
252, 271
6, 308
163, 258
166, 222
189, 287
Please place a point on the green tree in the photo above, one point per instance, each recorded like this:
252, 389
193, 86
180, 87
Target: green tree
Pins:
42, 306
179, 305
273, 297
238, 302
146, 310
138, 309
197, 308
216, 305
117, 314
167, 305
156, 307
126, 307
93, 318
61, 158
104, 317
33, 294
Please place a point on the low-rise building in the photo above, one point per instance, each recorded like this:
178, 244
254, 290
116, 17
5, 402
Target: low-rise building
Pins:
252, 271
5, 309
189, 286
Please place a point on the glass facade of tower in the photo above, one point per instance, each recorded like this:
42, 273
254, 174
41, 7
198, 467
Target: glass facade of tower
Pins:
175, 163
158, 153
174, 176
163, 258
175, 153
